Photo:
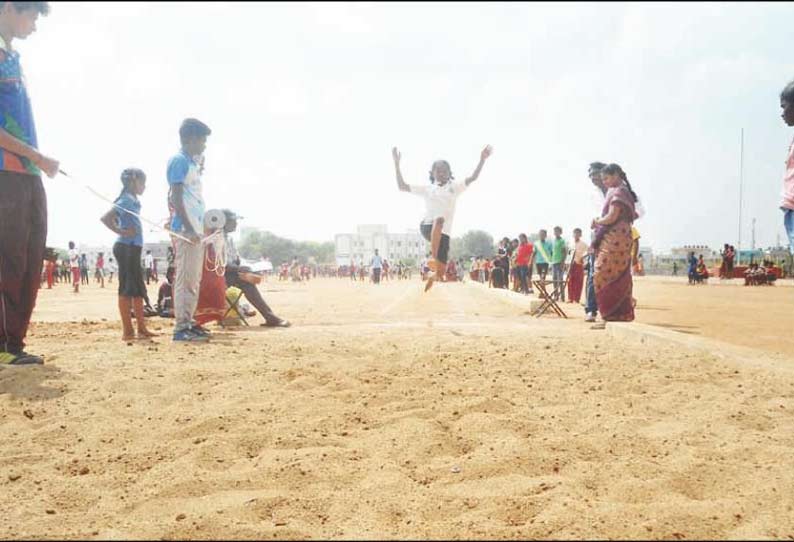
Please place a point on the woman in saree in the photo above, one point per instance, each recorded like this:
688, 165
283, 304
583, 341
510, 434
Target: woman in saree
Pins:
212, 291
612, 246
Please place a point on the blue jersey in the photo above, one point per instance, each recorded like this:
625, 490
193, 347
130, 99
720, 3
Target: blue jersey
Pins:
130, 202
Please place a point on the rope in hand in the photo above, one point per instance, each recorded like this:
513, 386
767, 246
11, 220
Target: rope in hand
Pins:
217, 264
142, 219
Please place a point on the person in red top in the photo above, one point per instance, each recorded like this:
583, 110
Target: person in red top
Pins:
523, 260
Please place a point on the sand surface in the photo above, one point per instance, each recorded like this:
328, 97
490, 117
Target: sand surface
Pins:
368, 419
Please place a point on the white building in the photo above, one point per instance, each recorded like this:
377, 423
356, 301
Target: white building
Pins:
360, 246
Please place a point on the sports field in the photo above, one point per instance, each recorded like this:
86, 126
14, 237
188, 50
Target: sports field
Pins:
388, 413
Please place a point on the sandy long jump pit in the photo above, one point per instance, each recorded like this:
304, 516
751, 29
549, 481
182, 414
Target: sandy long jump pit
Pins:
388, 413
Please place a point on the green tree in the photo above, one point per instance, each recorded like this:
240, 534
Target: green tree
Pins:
259, 244
477, 243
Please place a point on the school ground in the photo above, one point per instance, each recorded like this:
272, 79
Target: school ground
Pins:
389, 413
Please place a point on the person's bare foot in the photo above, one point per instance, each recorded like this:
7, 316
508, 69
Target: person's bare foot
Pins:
429, 283
146, 334
127, 338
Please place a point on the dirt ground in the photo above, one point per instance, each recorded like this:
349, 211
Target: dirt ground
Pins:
389, 413
759, 317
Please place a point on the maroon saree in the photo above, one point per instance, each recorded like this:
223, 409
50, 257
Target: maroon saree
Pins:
612, 276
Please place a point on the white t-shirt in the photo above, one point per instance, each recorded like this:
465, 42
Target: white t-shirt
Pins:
579, 252
439, 201
74, 258
149, 261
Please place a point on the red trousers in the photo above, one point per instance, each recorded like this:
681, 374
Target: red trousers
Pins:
575, 281
23, 234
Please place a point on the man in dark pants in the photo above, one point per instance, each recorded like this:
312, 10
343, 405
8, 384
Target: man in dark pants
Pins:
377, 265
241, 278
23, 202
591, 308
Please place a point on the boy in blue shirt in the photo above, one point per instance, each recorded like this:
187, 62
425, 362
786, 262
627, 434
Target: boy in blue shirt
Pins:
23, 220
187, 218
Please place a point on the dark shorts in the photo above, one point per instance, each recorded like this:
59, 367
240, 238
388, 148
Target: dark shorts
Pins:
443, 247
542, 268
128, 258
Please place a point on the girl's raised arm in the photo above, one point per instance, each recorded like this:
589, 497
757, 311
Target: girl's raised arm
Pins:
486, 152
400, 182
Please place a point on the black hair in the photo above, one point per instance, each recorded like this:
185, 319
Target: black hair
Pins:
544, 231
129, 175
433, 166
558, 228
788, 93
40, 7
577, 230
597, 166
191, 128
614, 169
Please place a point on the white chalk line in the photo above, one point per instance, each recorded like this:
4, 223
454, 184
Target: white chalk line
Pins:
388, 308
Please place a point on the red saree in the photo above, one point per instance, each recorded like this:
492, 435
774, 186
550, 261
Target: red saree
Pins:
612, 276
212, 292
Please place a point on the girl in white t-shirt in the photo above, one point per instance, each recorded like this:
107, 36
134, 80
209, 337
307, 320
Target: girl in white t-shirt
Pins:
440, 198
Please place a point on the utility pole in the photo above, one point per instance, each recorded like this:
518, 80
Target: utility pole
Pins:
741, 171
753, 245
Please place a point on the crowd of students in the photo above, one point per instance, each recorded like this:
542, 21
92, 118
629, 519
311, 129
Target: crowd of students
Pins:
76, 269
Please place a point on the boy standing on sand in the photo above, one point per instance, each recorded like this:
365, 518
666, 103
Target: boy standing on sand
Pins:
559, 252
23, 202
576, 273
187, 204
74, 265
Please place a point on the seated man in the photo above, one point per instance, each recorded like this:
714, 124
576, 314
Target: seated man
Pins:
242, 278
749, 275
760, 274
165, 297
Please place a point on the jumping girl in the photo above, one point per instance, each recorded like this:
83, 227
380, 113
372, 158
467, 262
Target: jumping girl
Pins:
440, 198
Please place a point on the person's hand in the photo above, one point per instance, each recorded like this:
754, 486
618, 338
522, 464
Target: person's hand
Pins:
48, 165
594, 224
486, 152
396, 155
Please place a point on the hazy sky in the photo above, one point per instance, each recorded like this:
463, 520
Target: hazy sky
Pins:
306, 101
